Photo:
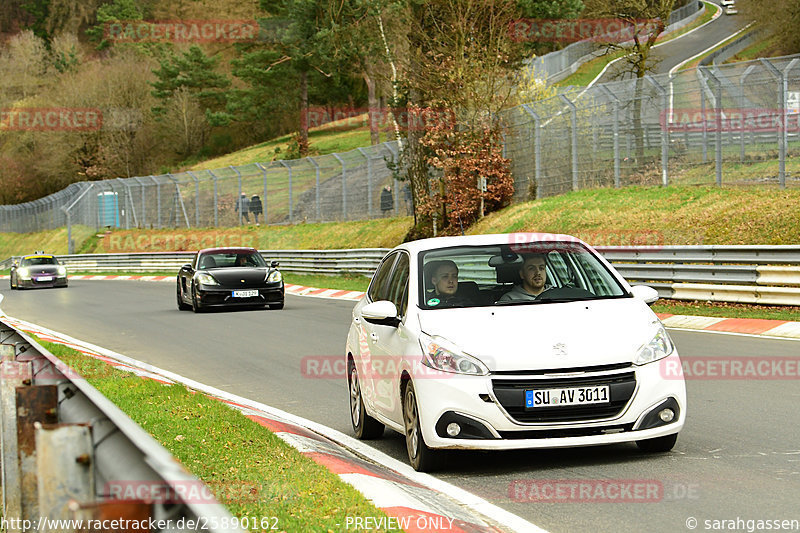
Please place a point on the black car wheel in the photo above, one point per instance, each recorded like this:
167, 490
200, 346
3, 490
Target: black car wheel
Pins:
11, 282
421, 457
181, 306
364, 426
195, 304
659, 444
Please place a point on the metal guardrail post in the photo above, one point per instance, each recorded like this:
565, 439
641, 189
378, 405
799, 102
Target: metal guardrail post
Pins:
264, 171
574, 121
70, 244
291, 201
316, 186
63, 472
344, 186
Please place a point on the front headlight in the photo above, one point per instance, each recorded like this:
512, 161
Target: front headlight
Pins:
62, 271
658, 348
23, 273
206, 279
438, 353
274, 276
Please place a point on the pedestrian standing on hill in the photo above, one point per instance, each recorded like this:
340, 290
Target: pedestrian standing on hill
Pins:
255, 207
387, 200
243, 207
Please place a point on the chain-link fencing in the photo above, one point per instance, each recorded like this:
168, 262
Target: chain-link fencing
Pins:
710, 125
353, 185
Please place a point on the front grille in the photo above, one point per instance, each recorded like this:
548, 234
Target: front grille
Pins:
511, 395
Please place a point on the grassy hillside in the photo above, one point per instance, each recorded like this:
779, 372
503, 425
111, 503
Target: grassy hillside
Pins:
633, 215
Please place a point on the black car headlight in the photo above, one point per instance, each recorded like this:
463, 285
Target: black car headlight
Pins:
274, 276
206, 279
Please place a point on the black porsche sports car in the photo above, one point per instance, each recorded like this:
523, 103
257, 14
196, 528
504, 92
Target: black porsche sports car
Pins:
221, 277
38, 270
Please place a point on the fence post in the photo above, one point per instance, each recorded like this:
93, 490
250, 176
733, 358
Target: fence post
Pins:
574, 121
239, 195
717, 121
344, 186
781, 79
703, 119
664, 131
615, 106
289, 169
158, 200
743, 77
264, 170
369, 181
316, 188
537, 147
216, 199
196, 198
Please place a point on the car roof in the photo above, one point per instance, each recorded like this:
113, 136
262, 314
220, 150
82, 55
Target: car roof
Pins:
435, 243
228, 250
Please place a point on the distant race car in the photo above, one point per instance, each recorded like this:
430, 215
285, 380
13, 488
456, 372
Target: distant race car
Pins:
222, 277
38, 270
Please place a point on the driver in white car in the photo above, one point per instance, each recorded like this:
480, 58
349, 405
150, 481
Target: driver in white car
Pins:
533, 274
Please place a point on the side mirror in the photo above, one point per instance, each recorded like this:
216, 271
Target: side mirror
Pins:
383, 313
648, 294
274, 264
187, 267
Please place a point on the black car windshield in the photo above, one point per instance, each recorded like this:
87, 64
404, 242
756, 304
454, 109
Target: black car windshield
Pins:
231, 260
514, 274
34, 261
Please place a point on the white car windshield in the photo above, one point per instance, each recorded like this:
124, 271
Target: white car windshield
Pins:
513, 274
231, 259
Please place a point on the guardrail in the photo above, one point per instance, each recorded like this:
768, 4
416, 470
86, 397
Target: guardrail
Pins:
747, 274
64, 444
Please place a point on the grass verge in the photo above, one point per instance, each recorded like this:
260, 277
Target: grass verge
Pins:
727, 310
252, 471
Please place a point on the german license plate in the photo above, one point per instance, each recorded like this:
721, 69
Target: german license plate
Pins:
244, 294
44, 278
565, 397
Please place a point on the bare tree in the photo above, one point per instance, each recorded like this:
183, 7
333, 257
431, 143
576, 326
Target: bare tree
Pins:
644, 21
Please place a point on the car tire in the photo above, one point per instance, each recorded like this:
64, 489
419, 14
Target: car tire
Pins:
364, 426
276, 306
422, 458
182, 306
195, 305
11, 283
659, 444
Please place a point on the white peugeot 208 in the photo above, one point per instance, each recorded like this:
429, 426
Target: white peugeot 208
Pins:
506, 342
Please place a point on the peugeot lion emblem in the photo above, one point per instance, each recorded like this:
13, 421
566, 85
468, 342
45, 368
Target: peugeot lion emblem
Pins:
560, 349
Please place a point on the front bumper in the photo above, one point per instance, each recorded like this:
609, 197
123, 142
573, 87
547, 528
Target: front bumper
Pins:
488, 424
210, 296
37, 282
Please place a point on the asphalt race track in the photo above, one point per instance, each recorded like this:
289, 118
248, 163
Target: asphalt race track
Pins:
669, 54
737, 457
